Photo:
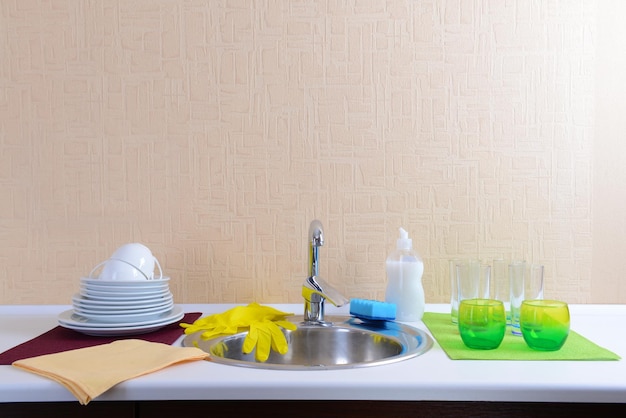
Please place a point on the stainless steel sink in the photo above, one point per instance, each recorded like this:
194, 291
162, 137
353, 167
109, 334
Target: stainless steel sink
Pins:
342, 342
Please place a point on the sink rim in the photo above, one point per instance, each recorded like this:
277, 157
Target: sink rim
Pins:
414, 342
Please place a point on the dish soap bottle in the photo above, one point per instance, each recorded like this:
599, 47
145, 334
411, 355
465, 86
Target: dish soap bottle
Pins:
404, 280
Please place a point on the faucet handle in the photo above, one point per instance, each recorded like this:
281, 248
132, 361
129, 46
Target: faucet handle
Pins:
316, 290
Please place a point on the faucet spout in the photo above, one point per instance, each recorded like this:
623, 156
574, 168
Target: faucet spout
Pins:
315, 290
316, 240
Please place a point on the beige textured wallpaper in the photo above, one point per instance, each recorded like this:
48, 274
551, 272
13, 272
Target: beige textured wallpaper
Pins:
215, 131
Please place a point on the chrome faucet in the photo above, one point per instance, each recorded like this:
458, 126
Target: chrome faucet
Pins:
316, 240
315, 290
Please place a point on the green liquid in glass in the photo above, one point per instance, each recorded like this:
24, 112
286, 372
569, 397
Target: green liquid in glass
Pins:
545, 338
482, 337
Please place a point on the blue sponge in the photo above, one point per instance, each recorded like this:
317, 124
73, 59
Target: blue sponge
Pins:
372, 309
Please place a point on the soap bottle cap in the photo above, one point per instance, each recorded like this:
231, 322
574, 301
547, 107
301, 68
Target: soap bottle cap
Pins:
404, 242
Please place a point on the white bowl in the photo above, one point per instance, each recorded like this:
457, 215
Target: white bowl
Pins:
121, 270
138, 255
130, 262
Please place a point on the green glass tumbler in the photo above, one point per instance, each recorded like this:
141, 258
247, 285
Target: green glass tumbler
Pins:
482, 323
544, 324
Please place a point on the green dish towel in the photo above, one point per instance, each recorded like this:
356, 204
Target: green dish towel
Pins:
513, 347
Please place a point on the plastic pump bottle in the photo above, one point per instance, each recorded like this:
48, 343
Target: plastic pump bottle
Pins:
404, 280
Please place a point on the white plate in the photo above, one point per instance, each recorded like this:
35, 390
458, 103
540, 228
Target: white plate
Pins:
116, 303
126, 290
124, 330
97, 332
96, 314
111, 310
108, 309
108, 296
124, 283
70, 319
125, 318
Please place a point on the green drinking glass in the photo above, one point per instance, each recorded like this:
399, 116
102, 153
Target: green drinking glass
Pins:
544, 324
482, 323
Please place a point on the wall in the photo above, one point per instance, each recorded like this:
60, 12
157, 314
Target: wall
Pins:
215, 131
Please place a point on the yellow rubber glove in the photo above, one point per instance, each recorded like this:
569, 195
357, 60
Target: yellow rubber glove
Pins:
267, 334
262, 323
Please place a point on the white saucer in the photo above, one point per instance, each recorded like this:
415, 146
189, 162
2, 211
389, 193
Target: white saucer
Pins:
69, 319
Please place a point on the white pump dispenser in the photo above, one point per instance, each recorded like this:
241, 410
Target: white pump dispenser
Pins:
404, 280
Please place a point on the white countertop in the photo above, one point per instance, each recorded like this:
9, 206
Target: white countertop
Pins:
431, 376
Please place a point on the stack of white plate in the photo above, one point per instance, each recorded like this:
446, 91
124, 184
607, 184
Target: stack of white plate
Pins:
121, 307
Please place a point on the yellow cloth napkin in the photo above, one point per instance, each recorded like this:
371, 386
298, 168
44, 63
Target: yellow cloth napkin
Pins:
89, 372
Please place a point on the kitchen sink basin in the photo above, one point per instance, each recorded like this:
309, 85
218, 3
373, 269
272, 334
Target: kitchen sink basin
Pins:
340, 343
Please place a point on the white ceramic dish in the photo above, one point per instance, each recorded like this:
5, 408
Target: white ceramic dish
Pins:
88, 313
118, 331
121, 332
125, 289
121, 309
69, 319
121, 319
113, 296
125, 283
138, 262
118, 303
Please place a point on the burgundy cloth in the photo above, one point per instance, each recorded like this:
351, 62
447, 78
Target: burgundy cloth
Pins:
63, 339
